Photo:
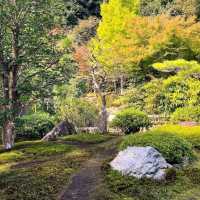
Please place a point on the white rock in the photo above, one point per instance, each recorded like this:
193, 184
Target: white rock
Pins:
141, 162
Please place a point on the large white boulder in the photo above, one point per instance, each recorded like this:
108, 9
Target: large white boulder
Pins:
141, 162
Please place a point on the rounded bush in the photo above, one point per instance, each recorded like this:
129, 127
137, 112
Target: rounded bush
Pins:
173, 148
130, 120
34, 126
190, 113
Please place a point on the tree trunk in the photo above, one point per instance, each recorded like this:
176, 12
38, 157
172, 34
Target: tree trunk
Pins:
10, 106
121, 85
8, 135
10, 95
64, 127
115, 86
103, 122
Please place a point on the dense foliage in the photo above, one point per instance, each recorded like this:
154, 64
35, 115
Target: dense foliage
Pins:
189, 133
80, 112
34, 126
186, 114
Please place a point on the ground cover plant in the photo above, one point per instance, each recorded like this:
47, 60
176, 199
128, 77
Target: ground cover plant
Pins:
37, 169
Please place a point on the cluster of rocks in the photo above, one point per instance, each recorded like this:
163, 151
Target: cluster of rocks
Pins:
141, 162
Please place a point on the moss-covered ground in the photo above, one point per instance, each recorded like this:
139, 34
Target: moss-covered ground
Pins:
37, 170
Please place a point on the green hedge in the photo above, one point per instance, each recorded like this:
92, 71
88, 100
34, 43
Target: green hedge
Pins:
130, 120
173, 148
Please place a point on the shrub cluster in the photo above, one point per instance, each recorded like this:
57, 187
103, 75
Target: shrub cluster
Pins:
190, 113
34, 125
80, 112
174, 149
189, 133
130, 120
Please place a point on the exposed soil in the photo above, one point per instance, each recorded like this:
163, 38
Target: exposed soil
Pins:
84, 183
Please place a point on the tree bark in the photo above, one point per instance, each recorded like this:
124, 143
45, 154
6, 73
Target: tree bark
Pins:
103, 123
9, 108
121, 85
64, 127
8, 135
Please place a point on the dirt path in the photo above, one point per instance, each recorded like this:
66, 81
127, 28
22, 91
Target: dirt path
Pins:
84, 183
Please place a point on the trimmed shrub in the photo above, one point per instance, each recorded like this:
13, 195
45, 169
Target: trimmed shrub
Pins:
130, 120
189, 133
173, 148
34, 126
186, 114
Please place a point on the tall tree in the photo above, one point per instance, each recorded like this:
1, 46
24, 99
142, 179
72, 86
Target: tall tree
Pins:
104, 62
27, 55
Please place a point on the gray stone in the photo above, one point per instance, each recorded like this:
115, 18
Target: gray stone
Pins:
141, 162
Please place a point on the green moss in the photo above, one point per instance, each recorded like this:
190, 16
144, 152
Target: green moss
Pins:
4, 167
45, 149
38, 170
87, 138
10, 156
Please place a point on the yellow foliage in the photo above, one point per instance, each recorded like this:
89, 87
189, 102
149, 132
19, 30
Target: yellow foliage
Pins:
122, 42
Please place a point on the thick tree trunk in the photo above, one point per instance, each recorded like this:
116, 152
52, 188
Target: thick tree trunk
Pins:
9, 76
64, 127
8, 135
10, 107
103, 122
